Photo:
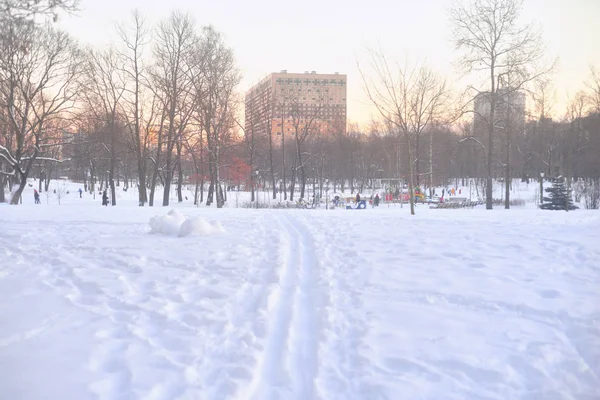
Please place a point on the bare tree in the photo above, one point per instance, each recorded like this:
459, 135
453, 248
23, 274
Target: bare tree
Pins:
494, 44
576, 110
544, 97
27, 10
215, 78
253, 119
305, 123
37, 85
104, 91
175, 41
135, 38
594, 86
409, 98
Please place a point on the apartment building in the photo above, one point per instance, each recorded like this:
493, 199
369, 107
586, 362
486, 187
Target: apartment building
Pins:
510, 108
287, 103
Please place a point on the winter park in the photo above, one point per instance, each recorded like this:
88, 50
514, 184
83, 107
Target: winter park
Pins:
178, 221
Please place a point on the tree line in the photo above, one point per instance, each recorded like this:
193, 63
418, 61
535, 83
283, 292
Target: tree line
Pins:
160, 109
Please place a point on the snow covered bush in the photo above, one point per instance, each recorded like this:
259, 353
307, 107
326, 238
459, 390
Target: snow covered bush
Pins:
175, 224
195, 226
167, 224
578, 190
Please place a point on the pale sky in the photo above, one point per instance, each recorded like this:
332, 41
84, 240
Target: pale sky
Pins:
330, 35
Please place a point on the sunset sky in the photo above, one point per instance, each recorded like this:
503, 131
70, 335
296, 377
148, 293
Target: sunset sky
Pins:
330, 36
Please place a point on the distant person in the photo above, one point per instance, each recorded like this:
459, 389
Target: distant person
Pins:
104, 198
36, 196
357, 198
376, 201
80, 192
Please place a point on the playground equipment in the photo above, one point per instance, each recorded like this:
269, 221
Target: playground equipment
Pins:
361, 205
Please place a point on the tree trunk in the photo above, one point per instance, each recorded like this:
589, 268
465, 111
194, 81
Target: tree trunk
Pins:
411, 191
431, 165
293, 180
271, 169
179, 173
507, 172
252, 160
2, 187
113, 162
217, 172
302, 171
283, 166
16, 197
157, 163
211, 188
168, 175
489, 190
169, 171
142, 193
40, 180
418, 159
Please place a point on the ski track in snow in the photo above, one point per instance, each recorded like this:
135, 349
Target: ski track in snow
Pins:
289, 364
300, 305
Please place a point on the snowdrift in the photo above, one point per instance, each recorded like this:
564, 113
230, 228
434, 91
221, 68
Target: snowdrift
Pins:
175, 224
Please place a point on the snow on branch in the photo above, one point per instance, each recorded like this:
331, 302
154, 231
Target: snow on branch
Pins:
5, 153
47, 159
474, 139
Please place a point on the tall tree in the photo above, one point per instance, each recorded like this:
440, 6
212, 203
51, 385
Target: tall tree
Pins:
410, 99
135, 37
38, 68
495, 44
215, 78
104, 91
594, 88
26, 10
175, 42
305, 124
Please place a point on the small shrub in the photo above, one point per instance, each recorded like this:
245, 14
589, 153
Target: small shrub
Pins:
512, 202
591, 194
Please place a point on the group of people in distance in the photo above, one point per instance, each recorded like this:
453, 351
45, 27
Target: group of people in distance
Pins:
105, 202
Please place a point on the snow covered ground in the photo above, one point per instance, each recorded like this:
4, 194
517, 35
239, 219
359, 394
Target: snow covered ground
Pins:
297, 304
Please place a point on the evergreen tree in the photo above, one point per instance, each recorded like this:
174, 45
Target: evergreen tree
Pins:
559, 196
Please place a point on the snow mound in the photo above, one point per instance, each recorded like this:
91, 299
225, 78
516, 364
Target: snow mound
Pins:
167, 224
175, 224
195, 226
217, 227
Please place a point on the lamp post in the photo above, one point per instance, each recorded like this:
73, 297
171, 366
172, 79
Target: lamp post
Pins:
327, 194
541, 188
470, 189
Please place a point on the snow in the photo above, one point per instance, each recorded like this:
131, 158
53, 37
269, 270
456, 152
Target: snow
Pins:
169, 224
197, 226
176, 224
296, 304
